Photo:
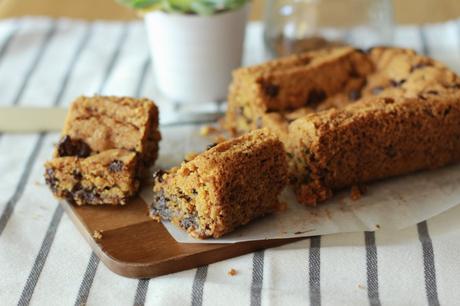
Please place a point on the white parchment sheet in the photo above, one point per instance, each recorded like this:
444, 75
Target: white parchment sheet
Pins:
392, 204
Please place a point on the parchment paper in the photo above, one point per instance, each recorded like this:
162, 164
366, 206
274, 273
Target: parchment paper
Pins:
394, 203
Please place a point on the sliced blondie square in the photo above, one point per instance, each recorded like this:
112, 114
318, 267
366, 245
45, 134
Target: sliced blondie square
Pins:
224, 187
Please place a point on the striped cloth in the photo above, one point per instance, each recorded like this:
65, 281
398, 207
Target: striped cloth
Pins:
45, 261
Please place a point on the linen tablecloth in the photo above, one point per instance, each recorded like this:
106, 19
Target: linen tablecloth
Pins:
45, 261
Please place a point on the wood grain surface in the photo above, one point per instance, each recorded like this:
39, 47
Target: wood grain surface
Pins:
133, 245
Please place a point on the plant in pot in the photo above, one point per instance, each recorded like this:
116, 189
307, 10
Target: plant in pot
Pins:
195, 45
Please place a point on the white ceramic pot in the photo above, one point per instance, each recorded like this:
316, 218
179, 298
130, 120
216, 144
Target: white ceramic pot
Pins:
193, 56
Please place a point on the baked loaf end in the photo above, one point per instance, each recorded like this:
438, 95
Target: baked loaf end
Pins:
224, 187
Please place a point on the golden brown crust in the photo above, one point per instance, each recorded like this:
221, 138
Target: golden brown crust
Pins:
226, 186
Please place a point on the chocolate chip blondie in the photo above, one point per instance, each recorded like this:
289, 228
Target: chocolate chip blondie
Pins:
107, 145
109, 177
402, 115
224, 187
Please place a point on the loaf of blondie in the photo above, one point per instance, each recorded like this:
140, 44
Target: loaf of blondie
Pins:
404, 116
107, 145
109, 177
224, 187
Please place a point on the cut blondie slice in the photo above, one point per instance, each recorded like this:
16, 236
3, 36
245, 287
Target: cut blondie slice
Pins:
105, 122
225, 187
109, 177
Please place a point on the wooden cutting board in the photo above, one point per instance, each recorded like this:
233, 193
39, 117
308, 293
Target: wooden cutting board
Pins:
133, 245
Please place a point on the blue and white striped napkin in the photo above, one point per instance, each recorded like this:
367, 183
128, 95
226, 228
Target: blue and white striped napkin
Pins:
45, 261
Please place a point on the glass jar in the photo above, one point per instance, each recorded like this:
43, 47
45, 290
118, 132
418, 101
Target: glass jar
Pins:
292, 26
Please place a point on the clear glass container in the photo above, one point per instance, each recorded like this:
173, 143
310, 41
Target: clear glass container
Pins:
292, 26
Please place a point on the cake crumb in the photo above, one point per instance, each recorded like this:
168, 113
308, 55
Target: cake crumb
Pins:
357, 192
360, 286
97, 234
232, 272
207, 130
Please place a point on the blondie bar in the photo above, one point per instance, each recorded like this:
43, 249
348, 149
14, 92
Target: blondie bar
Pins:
107, 145
109, 177
224, 187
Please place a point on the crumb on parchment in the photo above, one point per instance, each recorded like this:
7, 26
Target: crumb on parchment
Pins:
97, 234
357, 191
232, 272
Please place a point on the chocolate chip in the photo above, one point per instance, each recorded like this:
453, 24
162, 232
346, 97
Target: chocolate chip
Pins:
455, 86
376, 90
354, 95
159, 206
194, 191
210, 146
396, 83
158, 175
270, 89
433, 92
76, 175
259, 123
390, 151
447, 111
73, 147
316, 96
50, 179
388, 100
353, 73
86, 196
116, 166
190, 221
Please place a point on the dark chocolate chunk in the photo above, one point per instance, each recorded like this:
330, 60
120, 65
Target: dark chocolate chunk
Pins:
158, 175
316, 96
376, 90
72, 147
353, 73
116, 166
354, 95
390, 151
397, 83
50, 179
189, 221
388, 100
270, 89
85, 195
210, 146
76, 175
159, 206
